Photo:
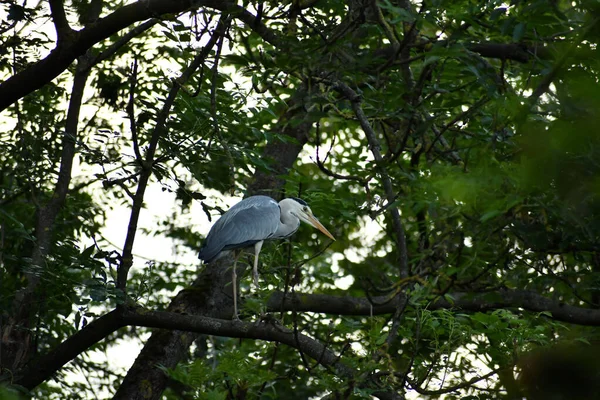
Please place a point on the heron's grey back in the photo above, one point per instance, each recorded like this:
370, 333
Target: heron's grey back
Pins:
249, 221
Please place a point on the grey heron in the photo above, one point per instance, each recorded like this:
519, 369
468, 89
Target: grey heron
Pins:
252, 221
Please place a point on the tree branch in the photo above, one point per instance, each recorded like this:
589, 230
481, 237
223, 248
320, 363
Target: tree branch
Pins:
47, 365
518, 52
57, 10
463, 116
244, 330
503, 298
76, 44
237, 329
375, 148
453, 388
113, 48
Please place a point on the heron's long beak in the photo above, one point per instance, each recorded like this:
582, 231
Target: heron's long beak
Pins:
315, 222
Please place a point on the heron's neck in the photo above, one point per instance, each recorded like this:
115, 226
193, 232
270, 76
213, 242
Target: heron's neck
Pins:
288, 224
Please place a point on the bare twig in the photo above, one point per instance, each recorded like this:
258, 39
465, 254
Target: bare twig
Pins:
417, 338
131, 112
387, 29
454, 388
320, 163
461, 117
396, 318
113, 48
297, 336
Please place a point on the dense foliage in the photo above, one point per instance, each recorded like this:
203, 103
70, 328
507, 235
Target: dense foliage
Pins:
451, 147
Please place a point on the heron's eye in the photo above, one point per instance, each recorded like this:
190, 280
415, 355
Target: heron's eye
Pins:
305, 209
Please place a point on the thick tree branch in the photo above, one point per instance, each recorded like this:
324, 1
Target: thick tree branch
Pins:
166, 347
506, 51
44, 367
77, 43
172, 321
238, 329
247, 330
504, 298
518, 52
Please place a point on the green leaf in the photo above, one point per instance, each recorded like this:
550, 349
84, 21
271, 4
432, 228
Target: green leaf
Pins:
519, 31
489, 215
87, 253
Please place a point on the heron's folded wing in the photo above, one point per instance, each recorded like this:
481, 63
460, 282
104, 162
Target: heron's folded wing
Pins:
249, 221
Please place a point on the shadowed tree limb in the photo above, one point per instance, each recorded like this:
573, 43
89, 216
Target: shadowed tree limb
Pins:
77, 43
237, 329
504, 51
180, 324
248, 330
47, 365
502, 298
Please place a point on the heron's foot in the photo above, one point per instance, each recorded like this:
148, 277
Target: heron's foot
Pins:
236, 318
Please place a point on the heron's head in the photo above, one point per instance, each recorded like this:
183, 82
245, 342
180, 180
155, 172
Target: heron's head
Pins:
302, 211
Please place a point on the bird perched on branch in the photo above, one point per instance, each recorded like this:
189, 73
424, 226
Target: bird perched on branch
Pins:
252, 221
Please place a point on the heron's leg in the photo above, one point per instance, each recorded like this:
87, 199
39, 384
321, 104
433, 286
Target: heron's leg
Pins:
234, 285
257, 248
